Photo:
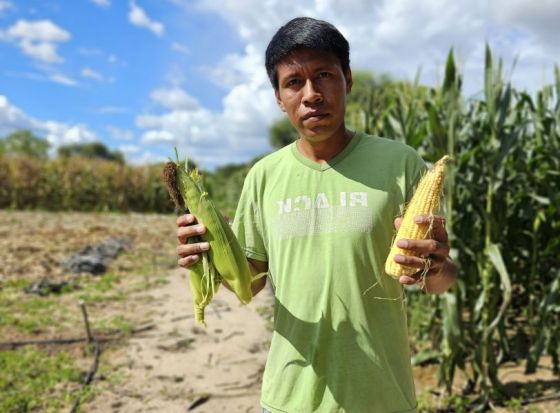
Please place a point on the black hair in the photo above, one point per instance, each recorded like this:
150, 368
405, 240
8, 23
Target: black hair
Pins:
305, 33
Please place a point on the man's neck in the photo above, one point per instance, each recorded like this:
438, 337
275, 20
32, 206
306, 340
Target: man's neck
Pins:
323, 151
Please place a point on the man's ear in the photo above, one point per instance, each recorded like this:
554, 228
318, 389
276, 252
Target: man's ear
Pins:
348, 76
279, 101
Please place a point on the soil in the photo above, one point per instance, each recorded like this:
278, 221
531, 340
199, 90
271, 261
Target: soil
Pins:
169, 368
172, 365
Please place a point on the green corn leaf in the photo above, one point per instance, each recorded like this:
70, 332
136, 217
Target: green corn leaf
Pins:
495, 256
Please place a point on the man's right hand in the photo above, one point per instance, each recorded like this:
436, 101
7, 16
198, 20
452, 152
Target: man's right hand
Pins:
188, 227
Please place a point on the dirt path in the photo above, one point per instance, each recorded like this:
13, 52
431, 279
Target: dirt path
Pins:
177, 363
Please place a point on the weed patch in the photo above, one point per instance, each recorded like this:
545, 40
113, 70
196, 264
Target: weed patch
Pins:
33, 381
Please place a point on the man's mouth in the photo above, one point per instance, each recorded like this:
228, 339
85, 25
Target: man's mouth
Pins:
314, 116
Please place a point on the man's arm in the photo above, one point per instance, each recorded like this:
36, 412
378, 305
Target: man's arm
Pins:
436, 271
257, 267
441, 281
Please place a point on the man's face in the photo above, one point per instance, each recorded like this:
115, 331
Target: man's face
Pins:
312, 90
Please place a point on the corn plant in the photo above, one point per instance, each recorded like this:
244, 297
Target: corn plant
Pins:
80, 184
502, 215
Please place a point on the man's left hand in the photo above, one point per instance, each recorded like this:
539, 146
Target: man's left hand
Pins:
432, 256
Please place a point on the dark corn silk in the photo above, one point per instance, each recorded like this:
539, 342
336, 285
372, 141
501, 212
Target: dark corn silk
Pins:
170, 180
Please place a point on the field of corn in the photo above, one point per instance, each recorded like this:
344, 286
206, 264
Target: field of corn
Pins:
96, 185
502, 212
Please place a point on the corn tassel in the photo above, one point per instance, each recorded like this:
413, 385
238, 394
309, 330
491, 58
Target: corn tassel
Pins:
425, 201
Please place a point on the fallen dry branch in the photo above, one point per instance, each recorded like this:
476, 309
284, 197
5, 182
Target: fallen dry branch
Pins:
201, 400
96, 353
550, 397
89, 376
11, 345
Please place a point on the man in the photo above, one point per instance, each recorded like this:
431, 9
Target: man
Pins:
318, 215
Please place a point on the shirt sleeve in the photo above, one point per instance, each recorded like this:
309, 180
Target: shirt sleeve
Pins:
248, 221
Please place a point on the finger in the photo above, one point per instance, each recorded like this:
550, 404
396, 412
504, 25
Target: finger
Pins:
410, 261
428, 267
437, 222
183, 250
426, 247
185, 219
398, 222
188, 261
184, 233
406, 280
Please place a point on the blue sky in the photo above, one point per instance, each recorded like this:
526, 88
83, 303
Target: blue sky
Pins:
143, 76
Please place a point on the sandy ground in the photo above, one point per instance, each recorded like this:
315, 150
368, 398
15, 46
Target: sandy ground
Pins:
178, 363
179, 366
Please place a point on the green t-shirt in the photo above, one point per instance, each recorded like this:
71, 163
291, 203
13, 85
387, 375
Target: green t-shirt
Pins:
340, 339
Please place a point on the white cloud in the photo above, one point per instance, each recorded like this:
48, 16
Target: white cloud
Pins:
399, 36
5, 5
192, 127
394, 36
179, 47
120, 134
156, 137
92, 74
86, 51
539, 19
237, 134
54, 77
56, 133
62, 133
129, 150
41, 51
138, 17
63, 79
174, 98
111, 110
94, 52
386, 36
37, 39
102, 3
236, 69
12, 118
175, 75
138, 155
145, 157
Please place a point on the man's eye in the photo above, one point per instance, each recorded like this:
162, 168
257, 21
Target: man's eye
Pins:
324, 74
293, 82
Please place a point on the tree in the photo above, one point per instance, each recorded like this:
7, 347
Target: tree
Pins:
92, 150
282, 133
24, 142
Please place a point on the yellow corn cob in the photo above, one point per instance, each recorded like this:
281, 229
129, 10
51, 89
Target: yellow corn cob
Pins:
425, 201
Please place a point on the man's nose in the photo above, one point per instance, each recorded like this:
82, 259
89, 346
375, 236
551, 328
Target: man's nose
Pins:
310, 93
